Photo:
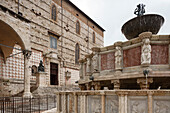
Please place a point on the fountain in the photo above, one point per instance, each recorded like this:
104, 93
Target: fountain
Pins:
142, 23
132, 72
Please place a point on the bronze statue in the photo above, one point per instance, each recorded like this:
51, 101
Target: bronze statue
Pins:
140, 10
41, 67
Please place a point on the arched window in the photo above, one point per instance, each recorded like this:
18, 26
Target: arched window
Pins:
94, 38
77, 53
53, 12
78, 27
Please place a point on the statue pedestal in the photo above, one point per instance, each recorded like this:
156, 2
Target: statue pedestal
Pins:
41, 79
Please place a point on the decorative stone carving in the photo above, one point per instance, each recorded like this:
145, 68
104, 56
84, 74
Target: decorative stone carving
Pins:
88, 86
95, 63
137, 104
136, 109
146, 52
88, 66
161, 107
144, 83
116, 84
95, 59
118, 58
112, 104
96, 85
81, 69
94, 103
145, 35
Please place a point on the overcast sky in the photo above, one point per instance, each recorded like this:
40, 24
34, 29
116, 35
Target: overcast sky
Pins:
112, 14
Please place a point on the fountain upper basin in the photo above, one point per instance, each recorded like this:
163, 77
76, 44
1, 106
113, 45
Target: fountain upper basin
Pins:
146, 23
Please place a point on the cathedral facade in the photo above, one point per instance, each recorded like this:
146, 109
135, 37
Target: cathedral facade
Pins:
55, 32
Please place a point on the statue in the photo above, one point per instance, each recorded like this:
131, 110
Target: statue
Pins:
41, 67
118, 58
95, 63
146, 52
139, 11
88, 66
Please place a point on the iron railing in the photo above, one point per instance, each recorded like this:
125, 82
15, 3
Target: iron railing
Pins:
27, 105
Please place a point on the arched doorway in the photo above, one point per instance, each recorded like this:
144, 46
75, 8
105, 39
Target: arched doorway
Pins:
8, 39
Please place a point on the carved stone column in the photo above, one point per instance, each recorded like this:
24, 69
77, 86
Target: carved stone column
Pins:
116, 84
58, 103
97, 85
146, 48
122, 101
83, 101
103, 101
118, 56
150, 100
75, 103
144, 83
27, 73
64, 106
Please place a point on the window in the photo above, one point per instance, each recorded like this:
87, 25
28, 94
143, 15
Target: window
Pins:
94, 38
53, 12
78, 27
53, 42
77, 53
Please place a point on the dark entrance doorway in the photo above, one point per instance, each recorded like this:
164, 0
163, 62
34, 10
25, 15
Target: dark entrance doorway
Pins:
53, 74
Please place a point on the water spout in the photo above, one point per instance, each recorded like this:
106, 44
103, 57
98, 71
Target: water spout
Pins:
146, 72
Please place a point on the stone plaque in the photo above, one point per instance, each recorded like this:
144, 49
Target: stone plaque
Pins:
94, 104
137, 104
112, 104
159, 54
132, 57
161, 104
107, 61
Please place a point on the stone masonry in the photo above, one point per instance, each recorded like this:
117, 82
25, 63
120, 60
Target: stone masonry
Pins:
34, 28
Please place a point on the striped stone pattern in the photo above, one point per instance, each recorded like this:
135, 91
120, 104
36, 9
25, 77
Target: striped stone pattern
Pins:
36, 56
14, 66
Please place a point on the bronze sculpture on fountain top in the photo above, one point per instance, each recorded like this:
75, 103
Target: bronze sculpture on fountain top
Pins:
142, 23
140, 10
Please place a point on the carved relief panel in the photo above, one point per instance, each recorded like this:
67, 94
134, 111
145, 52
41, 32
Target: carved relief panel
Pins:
161, 104
107, 61
112, 104
94, 104
137, 104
